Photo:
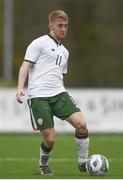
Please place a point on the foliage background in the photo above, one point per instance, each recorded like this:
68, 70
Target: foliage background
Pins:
95, 38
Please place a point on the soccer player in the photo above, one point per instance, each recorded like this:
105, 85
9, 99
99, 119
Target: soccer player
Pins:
45, 62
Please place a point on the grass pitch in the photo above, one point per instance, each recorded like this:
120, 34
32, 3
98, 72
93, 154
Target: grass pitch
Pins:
19, 155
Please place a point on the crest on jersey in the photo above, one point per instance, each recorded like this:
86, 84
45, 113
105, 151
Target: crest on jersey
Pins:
40, 121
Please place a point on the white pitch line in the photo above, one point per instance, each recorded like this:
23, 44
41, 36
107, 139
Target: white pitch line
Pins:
34, 159
55, 159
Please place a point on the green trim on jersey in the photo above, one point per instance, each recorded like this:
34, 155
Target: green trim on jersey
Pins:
42, 110
58, 43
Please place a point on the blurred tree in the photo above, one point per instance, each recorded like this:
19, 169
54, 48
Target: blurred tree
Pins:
97, 42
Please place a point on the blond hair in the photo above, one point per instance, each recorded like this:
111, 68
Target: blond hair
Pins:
57, 14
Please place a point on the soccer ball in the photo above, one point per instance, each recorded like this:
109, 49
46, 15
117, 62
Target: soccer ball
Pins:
97, 165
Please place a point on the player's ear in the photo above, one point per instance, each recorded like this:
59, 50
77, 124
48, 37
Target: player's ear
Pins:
50, 26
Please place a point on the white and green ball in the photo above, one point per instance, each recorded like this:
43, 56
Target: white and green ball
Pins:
97, 165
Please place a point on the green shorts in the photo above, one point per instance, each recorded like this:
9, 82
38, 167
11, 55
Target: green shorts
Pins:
42, 110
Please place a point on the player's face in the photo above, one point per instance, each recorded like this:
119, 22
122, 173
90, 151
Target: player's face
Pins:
58, 28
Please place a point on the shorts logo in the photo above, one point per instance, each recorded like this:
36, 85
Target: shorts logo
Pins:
40, 121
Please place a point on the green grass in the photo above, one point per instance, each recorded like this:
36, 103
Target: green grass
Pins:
19, 156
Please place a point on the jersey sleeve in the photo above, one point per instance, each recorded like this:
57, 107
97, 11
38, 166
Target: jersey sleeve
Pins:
64, 71
32, 52
65, 68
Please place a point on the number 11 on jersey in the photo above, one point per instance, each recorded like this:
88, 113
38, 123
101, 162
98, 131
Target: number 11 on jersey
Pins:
58, 60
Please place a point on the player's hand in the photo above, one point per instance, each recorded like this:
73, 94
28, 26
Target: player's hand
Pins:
19, 95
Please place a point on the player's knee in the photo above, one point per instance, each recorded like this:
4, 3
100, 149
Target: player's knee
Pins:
80, 125
50, 140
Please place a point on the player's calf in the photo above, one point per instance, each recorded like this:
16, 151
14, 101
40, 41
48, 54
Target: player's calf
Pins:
82, 143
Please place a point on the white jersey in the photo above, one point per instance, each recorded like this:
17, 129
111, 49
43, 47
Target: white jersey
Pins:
50, 61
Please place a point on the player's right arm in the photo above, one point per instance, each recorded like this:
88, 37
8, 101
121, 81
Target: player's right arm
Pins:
23, 73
